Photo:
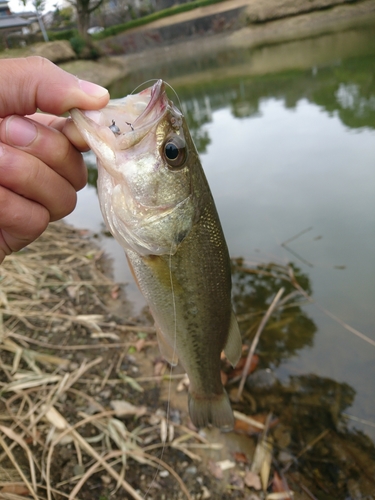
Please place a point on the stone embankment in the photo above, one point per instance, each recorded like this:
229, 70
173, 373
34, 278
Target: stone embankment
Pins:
233, 23
227, 17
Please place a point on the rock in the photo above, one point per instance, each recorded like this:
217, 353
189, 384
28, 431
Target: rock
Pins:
57, 51
261, 380
78, 470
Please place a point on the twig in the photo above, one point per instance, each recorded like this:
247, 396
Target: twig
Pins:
313, 442
17, 467
83, 347
256, 339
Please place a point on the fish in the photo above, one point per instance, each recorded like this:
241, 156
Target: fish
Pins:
156, 202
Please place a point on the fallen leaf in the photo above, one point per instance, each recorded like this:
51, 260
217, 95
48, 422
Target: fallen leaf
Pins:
205, 494
236, 481
104, 335
279, 496
159, 368
240, 457
131, 381
215, 469
237, 371
163, 430
123, 408
183, 384
30, 439
72, 291
115, 292
262, 460
252, 480
226, 464
250, 425
55, 418
139, 345
15, 489
280, 485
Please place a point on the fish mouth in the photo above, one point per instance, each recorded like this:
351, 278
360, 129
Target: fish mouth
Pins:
123, 123
158, 102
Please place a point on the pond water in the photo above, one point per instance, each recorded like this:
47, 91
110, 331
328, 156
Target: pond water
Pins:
290, 158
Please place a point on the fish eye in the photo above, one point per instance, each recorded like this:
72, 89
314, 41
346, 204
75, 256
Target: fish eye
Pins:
175, 152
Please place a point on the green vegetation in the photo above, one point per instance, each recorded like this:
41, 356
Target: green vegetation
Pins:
72, 34
62, 35
141, 21
78, 44
83, 48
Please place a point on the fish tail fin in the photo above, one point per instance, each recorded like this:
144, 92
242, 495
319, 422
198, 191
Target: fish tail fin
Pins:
215, 410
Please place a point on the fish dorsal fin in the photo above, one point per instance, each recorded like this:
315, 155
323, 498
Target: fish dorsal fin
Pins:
166, 350
233, 347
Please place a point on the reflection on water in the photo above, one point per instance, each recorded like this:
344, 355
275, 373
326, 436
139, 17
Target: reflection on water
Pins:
313, 445
290, 328
290, 159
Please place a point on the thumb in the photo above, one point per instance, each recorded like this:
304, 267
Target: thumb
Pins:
32, 83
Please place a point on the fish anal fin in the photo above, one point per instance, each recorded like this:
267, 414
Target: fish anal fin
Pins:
233, 347
215, 410
166, 350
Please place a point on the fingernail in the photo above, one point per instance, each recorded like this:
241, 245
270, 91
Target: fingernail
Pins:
92, 89
20, 132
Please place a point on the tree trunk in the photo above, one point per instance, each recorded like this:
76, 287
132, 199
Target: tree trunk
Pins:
83, 18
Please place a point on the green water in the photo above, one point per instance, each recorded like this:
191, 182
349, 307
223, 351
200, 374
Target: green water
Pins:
287, 139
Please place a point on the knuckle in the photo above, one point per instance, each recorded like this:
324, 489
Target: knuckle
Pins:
37, 223
22, 219
65, 206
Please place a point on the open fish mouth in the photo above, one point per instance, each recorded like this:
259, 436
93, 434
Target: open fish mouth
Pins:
124, 122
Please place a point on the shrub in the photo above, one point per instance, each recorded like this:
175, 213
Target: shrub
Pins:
78, 44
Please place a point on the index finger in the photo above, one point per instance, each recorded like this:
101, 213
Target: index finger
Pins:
31, 83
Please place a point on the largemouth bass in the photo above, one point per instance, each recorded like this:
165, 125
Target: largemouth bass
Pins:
156, 202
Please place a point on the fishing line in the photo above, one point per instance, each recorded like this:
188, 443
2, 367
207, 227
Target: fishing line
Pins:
168, 410
170, 370
153, 80
175, 93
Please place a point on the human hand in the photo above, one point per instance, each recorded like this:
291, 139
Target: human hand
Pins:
41, 166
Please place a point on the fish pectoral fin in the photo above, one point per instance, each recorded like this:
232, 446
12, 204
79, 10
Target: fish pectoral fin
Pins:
166, 350
233, 347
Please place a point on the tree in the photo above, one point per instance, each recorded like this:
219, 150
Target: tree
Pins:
84, 9
39, 6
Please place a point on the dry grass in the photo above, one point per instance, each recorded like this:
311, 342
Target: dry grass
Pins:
51, 300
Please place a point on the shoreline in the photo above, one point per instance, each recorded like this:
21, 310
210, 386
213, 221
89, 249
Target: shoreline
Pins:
271, 35
253, 31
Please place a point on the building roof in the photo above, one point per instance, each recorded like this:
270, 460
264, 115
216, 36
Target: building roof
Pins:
9, 22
